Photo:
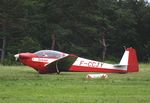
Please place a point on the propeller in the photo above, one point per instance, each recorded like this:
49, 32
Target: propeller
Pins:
16, 56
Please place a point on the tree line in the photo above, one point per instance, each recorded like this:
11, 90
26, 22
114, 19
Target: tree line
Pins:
95, 29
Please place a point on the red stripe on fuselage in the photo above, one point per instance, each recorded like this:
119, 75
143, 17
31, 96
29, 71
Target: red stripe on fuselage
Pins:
91, 69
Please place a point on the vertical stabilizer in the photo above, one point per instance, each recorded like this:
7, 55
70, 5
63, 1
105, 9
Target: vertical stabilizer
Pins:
130, 60
124, 60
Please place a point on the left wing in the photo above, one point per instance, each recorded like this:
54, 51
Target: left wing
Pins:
62, 64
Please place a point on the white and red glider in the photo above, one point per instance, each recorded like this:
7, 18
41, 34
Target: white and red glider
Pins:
50, 61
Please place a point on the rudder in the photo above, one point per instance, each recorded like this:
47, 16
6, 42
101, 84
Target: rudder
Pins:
133, 65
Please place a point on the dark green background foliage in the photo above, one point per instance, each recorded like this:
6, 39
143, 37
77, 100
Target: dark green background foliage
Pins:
76, 26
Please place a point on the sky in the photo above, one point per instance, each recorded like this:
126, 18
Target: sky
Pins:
148, 1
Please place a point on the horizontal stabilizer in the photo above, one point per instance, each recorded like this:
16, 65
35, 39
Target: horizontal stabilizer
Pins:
118, 65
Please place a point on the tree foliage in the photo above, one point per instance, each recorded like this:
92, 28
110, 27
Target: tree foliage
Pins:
93, 29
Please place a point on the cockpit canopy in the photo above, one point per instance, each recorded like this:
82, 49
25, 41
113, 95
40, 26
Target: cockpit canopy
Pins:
50, 54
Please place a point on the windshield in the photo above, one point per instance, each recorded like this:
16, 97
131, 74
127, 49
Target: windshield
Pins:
49, 53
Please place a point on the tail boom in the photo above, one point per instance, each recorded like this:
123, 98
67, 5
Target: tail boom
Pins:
86, 65
128, 63
92, 69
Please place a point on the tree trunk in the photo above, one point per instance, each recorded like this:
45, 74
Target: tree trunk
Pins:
2, 50
53, 41
3, 40
104, 48
103, 42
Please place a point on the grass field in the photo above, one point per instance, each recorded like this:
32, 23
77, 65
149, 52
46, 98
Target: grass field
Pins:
20, 84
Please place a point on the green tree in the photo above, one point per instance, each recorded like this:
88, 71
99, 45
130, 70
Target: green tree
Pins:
29, 45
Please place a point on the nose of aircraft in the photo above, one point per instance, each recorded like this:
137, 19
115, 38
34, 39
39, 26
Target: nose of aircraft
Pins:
23, 55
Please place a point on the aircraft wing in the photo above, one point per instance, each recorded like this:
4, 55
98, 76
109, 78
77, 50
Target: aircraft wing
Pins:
62, 64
